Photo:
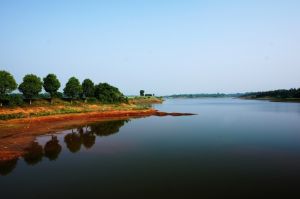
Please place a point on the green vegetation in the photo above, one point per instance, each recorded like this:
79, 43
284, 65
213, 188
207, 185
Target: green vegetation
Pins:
31, 86
291, 94
88, 88
51, 85
108, 94
73, 88
85, 97
11, 116
142, 93
7, 85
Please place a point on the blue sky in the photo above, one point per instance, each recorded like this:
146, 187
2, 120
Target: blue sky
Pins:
163, 47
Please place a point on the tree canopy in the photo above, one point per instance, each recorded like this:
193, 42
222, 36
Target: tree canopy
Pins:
31, 86
108, 94
73, 88
51, 84
7, 84
88, 88
142, 92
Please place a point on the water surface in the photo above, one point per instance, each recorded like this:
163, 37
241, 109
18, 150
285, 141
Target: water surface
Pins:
232, 147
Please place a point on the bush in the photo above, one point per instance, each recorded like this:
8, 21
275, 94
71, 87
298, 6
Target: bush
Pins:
91, 100
15, 100
106, 93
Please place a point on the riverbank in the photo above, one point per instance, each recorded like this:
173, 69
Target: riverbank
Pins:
42, 107
16, 135
273, 99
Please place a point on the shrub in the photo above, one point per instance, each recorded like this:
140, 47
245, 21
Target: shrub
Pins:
108, 94
15, 100
92, 100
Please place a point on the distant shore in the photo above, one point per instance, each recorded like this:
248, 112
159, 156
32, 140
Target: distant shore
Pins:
273, 99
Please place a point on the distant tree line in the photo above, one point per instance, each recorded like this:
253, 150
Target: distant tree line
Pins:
32, 85
283, 94
204, 95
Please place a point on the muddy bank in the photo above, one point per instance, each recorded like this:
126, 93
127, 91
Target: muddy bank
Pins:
18, 134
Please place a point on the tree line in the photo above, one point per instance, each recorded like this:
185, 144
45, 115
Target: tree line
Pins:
32, 85
280, 94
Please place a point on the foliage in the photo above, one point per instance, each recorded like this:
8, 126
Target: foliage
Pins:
73, 88
108, 94
51, 84
15, 100
92, 100
291, 93
7, 84
142, 92
11, 116
88, 88
31, 86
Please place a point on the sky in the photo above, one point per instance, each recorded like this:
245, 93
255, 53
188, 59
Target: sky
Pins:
160, 46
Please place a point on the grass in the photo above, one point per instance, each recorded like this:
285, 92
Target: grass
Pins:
42, 107
11, 116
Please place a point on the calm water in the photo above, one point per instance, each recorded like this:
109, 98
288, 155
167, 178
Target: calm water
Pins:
233, 147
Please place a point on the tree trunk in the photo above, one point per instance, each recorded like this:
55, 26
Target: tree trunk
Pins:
0, 104
30, 102
51, 101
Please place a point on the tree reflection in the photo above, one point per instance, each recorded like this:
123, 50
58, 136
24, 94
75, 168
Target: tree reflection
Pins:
34, 154
85, 136
73, 141
88, 140
52, 148
107, 128
7, 166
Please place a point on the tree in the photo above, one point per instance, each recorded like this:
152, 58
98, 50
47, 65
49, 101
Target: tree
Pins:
142, 92
108, 94
51, 85
73, 88
31, 86
88, 88
7, 84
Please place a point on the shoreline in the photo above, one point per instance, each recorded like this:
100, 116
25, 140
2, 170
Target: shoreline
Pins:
272, 99
18, 134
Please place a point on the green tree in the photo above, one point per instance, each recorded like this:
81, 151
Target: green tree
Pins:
73, 88
7, 84
88, 88
31, 86
108, 94
142, 93
51, 85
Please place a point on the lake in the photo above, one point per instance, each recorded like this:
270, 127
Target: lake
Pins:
232, 147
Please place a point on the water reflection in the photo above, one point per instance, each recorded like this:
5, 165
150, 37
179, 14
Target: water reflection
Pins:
82, 136
7, 167
34, 154
52, 148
